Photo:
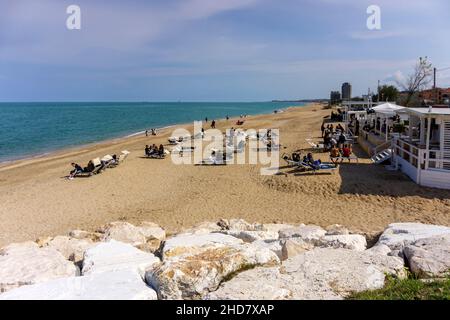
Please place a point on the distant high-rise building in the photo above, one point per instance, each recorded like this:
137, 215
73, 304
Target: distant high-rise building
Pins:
346, 91
335, 97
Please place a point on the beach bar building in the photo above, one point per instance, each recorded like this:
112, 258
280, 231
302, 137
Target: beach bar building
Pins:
423, 151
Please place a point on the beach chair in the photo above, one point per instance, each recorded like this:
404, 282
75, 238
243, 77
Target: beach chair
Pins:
323, 167
219, 159
295, 161
97, 168
125, 154
173, 140
107, 161
341, 158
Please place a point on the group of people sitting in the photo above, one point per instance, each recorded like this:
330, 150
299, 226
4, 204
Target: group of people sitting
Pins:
341, 153
92, 168
154, 151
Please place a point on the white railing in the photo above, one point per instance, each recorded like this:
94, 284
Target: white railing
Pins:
420, 158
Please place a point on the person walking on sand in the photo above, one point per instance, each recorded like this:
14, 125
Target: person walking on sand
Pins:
146, 133
206, 119
213, 124
322, 128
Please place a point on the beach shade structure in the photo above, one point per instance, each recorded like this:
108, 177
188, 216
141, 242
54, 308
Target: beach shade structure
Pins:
388, 109
96, 162
106, 158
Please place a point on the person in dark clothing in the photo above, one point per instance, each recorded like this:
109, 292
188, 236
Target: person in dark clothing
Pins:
76, 169
213, 124
322, 128
161, 150
341, 140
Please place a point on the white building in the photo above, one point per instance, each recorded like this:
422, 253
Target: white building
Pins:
424, 153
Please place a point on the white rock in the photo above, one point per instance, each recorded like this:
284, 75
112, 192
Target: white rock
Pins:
72, 249
430, 257
191, 243
26, 264
273, 245
336, 229
114, 256
250, 236
123, 232
240, 224
307, 233
191, 276
328, 273
294, 246
322, 273
85, 235
381, 249
203, 228
152, 231
256, 284
115, 285
349, 241
399, 234
277, 227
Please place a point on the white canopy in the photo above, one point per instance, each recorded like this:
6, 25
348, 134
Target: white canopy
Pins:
388, 109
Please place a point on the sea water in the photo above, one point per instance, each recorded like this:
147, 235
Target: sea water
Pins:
31, 129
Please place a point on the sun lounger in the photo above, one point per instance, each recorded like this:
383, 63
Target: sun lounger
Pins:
341, 158
107, 161
322, 167
97, 168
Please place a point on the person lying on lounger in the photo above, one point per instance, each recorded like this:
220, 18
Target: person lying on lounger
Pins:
309, 159
77, 169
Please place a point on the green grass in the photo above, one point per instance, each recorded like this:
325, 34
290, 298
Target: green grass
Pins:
407, 289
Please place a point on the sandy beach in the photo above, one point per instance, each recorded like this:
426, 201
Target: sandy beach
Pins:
36, 200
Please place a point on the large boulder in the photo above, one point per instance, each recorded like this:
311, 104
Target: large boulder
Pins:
295, 246
194, 273
113, 256
322, 273
277, 227
250, 236
257, 284
273, 245
397, 235
381, 249
240, 225
307, 233
203, 228
26, 264
135, 235
193, 243
430, 257
336, 229
349, 241
85, 235
71, 248
115, 285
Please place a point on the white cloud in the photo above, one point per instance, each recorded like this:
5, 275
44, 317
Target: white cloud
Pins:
396, 77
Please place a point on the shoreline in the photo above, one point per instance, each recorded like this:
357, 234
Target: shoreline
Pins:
38, 201
73, 148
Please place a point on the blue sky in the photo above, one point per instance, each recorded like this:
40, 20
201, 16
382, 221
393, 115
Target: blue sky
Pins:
213, 50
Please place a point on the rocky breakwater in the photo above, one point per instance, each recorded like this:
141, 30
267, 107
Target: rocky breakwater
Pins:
230, 259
